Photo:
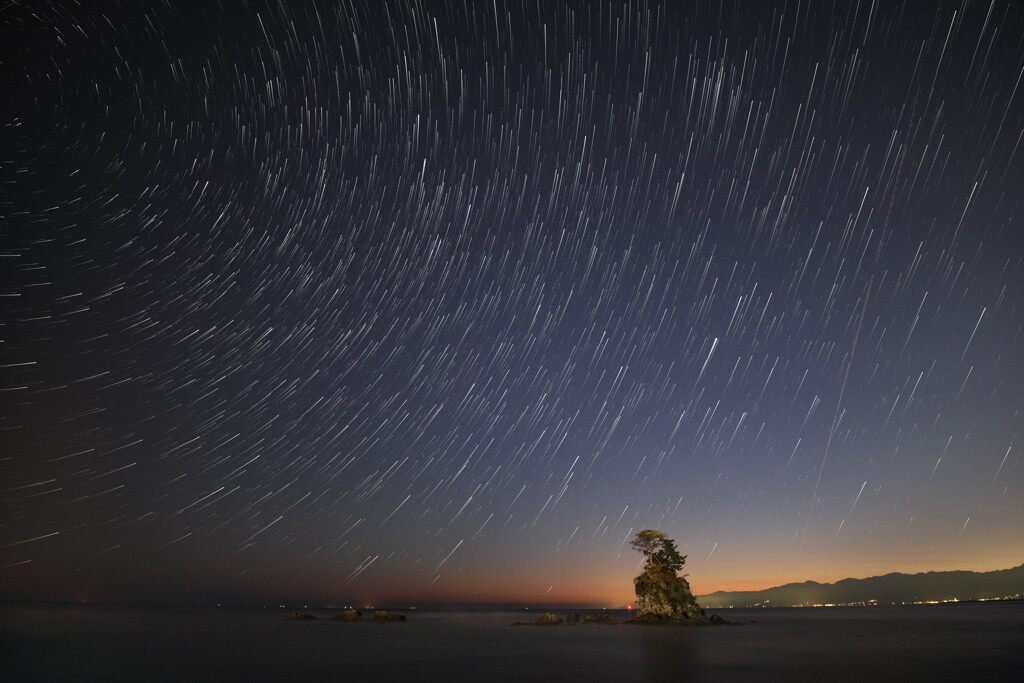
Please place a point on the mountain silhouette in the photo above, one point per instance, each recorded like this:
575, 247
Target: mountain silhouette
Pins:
884, 590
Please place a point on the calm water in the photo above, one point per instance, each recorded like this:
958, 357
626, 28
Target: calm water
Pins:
983, 641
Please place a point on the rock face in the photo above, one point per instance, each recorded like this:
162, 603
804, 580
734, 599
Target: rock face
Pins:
664, 598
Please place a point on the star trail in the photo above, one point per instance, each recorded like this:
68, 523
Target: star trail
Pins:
362, 302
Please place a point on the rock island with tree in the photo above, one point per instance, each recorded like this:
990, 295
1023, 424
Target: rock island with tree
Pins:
662, 596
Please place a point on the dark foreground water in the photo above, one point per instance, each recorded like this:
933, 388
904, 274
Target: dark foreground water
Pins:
977, 641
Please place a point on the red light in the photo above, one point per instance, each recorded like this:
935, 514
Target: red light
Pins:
629, 606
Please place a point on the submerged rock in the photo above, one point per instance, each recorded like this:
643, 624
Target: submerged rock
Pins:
300, 616
387, 615
665, 598
572, 618
548, 619
600, 619
347, 615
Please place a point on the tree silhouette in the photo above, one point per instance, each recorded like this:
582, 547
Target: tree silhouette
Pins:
659, 549
669, 556
648, 542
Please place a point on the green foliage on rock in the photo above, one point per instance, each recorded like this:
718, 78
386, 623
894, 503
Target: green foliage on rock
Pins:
663, 597
669, 557
648, 542
659, 549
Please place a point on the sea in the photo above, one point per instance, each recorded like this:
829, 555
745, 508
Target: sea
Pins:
61, 642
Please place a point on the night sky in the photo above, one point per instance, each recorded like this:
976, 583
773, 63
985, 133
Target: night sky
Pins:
424, 302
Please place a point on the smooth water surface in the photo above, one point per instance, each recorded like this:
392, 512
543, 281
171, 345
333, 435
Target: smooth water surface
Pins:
983, 641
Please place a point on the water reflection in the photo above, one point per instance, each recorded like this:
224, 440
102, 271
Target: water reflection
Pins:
669, 653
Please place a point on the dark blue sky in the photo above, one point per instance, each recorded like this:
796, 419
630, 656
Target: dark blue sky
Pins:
416, 301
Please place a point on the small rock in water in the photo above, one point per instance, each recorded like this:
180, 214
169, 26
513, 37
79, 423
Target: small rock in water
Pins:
387, 615
300, 616
347, 615
548, 619
600, 619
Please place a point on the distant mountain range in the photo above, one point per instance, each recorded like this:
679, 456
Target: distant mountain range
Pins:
883, 590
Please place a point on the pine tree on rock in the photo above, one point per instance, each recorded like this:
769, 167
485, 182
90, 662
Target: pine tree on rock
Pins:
664, 597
